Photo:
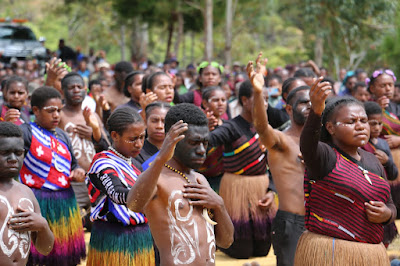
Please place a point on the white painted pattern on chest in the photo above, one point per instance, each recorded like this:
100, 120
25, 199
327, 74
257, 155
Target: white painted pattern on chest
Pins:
11, 240
185, 245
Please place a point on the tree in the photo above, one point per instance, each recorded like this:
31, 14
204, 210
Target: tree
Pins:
342, 30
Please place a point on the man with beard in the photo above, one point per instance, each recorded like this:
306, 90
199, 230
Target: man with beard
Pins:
175, 198
73, 122
285, 163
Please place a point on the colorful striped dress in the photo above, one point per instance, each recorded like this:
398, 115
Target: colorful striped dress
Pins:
119, 236
46, 170
244, 183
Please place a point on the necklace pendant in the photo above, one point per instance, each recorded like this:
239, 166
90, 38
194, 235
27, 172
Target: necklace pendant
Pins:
365, 172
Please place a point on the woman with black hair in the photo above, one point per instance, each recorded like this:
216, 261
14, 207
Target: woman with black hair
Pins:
347, 194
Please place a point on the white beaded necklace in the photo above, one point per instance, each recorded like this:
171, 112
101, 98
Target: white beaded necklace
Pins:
128, 160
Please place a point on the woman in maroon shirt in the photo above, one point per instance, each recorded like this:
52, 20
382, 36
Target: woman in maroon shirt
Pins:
347, 195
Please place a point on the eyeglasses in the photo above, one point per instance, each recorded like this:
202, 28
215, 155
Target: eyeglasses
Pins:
374, 122
134, 139
205, 64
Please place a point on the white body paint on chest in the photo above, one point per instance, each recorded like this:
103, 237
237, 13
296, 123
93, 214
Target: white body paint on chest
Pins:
185, 245
80, 145
11, 240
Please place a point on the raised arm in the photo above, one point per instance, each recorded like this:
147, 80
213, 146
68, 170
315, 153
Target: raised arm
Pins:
318, 156
145, 186
268, 136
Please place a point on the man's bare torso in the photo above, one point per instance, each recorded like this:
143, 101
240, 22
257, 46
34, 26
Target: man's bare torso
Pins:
14, 246
288, 173
181, 233
83, 147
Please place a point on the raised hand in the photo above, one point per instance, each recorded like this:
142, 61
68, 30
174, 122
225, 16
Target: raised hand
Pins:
90, 118
146, 99
383, 101
55, 70
393, 141
212, 120
256, 76
174, 135
318, 94
103, 102
12, 115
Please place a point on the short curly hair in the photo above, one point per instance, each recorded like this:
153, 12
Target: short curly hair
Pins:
189, 113
9, 129
41, 95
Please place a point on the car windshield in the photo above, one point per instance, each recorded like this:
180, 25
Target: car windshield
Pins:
16, 33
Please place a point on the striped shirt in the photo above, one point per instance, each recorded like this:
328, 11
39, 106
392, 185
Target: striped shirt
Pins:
242, 153
109, 180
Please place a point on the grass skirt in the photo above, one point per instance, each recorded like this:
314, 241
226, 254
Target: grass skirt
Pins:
116, 244
241, 195
316, 249
61, 211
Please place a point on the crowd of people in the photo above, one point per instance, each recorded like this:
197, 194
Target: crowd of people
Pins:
164, 165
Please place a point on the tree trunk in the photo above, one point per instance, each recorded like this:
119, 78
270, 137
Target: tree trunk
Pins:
228, 33
179, 33
122, 43
318, 50
170, 33
192, 47
208, 29
139, 39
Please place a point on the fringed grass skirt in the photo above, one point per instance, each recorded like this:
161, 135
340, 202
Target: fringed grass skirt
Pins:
241, 195
61, 211
320, 250
116, 244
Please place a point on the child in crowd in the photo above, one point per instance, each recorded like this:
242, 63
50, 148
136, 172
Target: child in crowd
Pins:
48, 169
380, 148
360, 92
19, 212
15, 96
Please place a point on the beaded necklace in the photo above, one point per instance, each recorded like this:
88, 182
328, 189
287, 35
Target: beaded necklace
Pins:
206, 213
55, 154
128, 160
178, 172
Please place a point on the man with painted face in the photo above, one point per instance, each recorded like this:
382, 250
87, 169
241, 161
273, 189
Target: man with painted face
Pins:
20, 217
176, 199
73, 122
285, 164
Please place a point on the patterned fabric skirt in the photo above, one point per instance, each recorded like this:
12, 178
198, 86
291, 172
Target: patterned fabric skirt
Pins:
116, 244
316, 249
61, 211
